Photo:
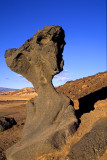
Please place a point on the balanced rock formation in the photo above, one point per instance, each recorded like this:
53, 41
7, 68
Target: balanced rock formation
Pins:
51, 119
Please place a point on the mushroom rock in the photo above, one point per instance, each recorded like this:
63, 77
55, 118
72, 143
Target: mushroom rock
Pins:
51, 119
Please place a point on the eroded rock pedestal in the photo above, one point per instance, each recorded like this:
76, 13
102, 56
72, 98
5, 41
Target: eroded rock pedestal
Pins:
50, 119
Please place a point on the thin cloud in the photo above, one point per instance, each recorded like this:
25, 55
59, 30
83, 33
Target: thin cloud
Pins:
63, 73
20, 76
6, 78
61, 78
27, 82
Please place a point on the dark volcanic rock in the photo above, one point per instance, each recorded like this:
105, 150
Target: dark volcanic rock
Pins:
93, 144
6, 123
51, 118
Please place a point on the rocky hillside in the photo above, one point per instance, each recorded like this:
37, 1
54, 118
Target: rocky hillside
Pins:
84, 86
3, 89
85, 92
25, 91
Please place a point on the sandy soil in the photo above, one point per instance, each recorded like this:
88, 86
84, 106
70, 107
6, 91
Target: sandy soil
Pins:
16, 109
15, 98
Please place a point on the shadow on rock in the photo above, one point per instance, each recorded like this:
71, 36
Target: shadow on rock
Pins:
86, 103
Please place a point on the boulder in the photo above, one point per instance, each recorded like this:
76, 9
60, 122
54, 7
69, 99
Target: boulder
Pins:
6, 123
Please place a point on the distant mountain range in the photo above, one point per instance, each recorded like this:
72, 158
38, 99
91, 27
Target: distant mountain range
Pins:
2, 89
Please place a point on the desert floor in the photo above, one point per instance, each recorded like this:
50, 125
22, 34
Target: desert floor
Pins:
17, 109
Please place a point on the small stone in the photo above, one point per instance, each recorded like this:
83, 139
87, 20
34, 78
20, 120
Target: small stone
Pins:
84, 86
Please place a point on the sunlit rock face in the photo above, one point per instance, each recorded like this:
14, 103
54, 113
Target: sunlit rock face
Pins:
50, 118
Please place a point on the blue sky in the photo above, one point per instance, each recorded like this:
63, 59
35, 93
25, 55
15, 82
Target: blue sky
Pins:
84, 23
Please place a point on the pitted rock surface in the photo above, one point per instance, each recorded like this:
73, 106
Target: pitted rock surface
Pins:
51, 118
92, 145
